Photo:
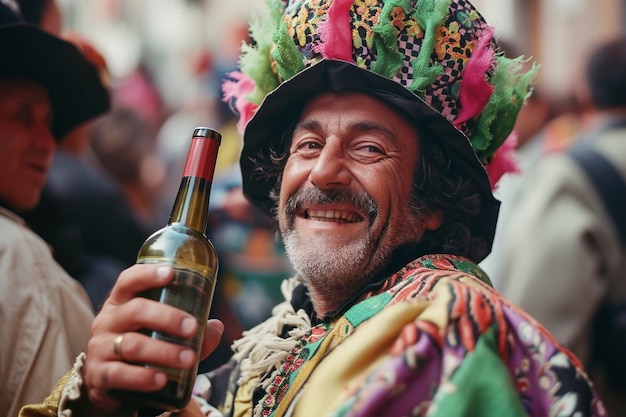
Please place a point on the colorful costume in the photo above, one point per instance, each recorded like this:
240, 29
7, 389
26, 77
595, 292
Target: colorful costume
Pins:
434, 339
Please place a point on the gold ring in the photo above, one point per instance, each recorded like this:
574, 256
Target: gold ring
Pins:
117, 345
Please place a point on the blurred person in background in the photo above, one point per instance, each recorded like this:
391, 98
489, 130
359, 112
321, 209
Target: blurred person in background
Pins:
44, 13
47, 88
138, 91
124, 147
529, 131
547, 126
372, 135
563, 258
91, 247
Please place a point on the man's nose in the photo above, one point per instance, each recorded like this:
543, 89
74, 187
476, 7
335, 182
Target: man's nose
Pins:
330, 169
43, 137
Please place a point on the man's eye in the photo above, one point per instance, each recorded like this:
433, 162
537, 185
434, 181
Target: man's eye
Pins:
308, 148
371, 149
309, 145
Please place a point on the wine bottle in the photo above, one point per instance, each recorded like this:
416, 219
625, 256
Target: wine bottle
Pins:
183, 244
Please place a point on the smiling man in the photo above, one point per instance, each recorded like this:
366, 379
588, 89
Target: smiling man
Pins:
370, 129
346, 190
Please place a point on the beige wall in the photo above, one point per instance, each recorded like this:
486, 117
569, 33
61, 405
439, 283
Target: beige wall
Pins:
569, 29
558, 33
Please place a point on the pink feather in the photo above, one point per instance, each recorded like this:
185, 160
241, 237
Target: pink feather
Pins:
335, 32
504, 161
474, 91
238, 88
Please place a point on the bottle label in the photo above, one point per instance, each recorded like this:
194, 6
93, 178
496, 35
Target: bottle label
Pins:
201, 158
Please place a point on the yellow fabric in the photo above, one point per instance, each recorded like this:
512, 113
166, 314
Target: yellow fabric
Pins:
243, 399
340, 330
343, 370
50, 405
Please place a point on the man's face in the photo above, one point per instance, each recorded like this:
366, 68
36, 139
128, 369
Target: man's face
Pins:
26, 143
345, 194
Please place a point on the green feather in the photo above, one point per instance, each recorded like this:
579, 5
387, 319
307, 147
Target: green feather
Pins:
255, 59
431, 15
512, 88
286, 54
388, 59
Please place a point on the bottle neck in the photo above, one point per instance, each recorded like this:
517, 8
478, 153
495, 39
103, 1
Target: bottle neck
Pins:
191, 207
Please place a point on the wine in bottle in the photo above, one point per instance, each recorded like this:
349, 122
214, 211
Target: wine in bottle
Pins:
183, 244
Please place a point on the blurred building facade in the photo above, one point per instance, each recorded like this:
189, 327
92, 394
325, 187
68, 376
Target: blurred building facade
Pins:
558, 33
163, 35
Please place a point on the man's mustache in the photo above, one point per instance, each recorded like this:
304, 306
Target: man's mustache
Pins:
314, 196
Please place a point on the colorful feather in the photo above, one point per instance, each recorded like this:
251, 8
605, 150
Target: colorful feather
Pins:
431, 15
335, 32
236, 90
504, 161
475, 90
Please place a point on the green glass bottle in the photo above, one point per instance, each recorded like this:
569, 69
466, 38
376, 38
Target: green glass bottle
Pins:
183, 243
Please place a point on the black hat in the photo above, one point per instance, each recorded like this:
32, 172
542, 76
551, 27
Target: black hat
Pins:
73, 83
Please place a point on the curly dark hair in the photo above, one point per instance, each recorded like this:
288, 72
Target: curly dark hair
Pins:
438, 187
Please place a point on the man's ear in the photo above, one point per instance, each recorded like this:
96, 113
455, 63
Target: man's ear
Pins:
434, 221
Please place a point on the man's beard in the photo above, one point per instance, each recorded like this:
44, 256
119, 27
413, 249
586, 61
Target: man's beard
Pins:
338, 270
335, 272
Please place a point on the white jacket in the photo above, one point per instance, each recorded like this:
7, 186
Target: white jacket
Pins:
45, 317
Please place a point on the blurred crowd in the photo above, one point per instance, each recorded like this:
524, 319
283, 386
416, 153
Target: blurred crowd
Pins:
560, 245
114, 179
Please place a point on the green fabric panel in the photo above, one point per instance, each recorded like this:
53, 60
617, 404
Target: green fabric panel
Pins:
484, 386
367, 308
472, 269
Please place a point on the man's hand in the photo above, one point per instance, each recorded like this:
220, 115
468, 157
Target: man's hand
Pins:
115, 343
